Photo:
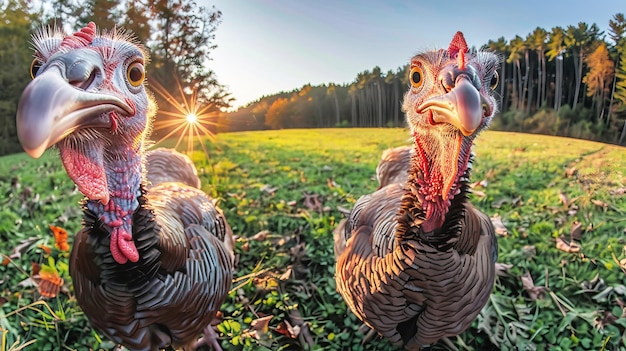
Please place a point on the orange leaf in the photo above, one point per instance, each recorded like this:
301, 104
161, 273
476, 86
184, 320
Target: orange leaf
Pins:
60, 238
36, 267
46, 249
5, 260
50, 284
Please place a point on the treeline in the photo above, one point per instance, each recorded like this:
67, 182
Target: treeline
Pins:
566, 81
179, 35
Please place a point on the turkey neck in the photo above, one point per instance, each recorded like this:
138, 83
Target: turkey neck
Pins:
123, 173
423, 213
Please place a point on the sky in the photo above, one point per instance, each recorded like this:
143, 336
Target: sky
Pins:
268, 46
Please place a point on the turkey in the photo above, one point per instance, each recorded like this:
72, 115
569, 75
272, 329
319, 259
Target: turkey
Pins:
151, 266
393, 166
418, 260
167, 165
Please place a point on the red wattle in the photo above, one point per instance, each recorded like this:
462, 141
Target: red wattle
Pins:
123, 247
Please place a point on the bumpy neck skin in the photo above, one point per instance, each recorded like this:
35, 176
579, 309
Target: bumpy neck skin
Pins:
123, 173
437, 167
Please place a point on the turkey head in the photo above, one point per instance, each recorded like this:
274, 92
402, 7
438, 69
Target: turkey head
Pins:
449, 102
88, 97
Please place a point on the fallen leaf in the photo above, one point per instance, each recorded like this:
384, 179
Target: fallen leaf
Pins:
534, 292
564, 199
618, 191
60, 238
576, 233
567, 246
46, 249
286, 329
262, 324
50, 282
599, 203
503, 269
312, 202
570, 172
260, 236
268, 189
478, 193
499, 227
607, 318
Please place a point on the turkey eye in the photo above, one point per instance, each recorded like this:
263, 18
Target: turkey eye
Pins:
34, 68
494, 80
135, 74
416, 77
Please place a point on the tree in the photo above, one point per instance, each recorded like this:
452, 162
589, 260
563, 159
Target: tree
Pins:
617, 29
556, 49
277, 116
538, 42
332, 91
516, 47
183, 40
599, 77
15, 60
500, 45
577, 40
101, 12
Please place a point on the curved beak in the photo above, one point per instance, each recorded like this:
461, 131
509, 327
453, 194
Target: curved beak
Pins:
51, 108
463, 106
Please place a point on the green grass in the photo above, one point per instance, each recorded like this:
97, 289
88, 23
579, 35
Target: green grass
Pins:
287, 270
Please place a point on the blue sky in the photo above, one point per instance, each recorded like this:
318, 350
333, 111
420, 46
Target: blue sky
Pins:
267, 46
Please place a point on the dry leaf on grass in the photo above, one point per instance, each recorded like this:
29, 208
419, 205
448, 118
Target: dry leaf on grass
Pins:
601, 204
260, 236
499, 227
60, 238
576, 233
567, 246
534, 292
286, 329
268, 189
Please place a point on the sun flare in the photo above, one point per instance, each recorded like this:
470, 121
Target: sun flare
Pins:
191, 120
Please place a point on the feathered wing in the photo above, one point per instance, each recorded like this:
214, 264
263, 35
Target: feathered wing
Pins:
394, 165
148, 305
168, 165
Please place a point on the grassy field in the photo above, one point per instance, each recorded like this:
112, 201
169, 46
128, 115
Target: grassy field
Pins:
284, 191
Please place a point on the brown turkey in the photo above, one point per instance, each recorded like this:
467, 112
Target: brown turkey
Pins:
419, 259
151, 266
167, 165
393, 166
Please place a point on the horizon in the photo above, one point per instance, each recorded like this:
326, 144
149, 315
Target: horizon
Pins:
265, 47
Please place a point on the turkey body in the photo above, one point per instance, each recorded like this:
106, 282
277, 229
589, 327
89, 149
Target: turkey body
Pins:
415, 259
181, 279
167, 165
154, 259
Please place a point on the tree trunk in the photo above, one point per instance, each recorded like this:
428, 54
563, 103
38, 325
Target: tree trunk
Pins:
578, 67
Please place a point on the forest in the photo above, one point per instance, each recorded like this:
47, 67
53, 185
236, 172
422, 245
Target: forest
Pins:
565, 81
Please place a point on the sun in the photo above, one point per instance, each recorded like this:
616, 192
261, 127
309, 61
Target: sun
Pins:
192, 118
190, 121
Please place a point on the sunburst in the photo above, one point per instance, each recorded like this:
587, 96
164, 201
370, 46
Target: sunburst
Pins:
190, 120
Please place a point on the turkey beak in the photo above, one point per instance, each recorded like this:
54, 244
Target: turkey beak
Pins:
463, 106
51, 108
